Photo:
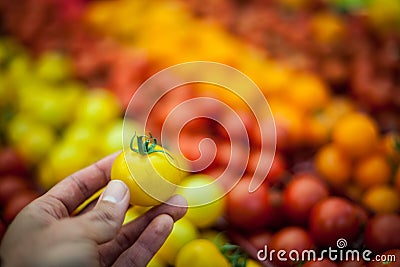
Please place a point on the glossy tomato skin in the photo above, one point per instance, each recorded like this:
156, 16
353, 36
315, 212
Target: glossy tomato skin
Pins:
333, 218
300, 196
151, 178
200, 253
247, 211
382, 232
291, 238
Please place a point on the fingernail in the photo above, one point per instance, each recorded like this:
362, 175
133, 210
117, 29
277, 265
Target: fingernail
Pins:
115, 191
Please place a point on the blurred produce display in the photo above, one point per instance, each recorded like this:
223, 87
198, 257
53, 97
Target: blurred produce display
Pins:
329, 70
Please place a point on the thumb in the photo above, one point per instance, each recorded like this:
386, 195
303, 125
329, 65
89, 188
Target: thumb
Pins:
103, 222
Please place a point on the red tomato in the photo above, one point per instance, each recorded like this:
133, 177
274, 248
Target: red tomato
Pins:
300, 196
11, 163
276, 218
10, 186
290, 239
390, 258
260, 239
226, 155
248, 211
383, 232
276, 171
323, 263
17, 203
333, 218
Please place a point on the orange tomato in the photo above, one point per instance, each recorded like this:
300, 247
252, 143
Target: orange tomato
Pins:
356, 134
333, 164
308, 92
382, 199
289, 122
372, 170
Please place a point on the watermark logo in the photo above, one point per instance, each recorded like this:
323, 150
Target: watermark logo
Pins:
340, 253
234, 84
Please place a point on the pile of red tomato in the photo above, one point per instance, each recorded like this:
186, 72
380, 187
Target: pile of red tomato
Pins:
335, 173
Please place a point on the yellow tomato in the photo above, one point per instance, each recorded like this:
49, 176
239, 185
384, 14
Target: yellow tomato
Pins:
200, 253
156, 262
182, 233
204, 198
130, 215
252, 263
150, 172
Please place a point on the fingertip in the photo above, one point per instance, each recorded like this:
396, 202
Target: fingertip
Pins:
163, 223
179, 207
177, 201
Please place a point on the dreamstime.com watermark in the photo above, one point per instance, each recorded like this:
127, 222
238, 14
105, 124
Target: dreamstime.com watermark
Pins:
340, 253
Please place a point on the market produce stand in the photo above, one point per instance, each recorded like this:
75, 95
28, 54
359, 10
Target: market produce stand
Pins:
329, 71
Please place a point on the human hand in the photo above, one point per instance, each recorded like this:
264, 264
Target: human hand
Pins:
43, 233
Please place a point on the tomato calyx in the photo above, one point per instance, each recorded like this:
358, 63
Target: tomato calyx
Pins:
146, 144
233, 253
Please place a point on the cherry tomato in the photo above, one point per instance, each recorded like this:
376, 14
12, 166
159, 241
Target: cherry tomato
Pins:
382, 232
150, 171
260, 239
277, 170
289, 239
372, 170
206, 204
11, 162
31, 139
333, 218
249, 211
301, 194
382, 199
17, 203
308, 92
98, 107
276, 217
347, 134
289, 125
53, 169
10, 186
333, 165
200, 253
182, 233
156, 261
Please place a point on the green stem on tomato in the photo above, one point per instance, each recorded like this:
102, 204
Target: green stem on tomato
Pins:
146, 145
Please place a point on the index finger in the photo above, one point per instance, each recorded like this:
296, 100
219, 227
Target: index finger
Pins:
77, 187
